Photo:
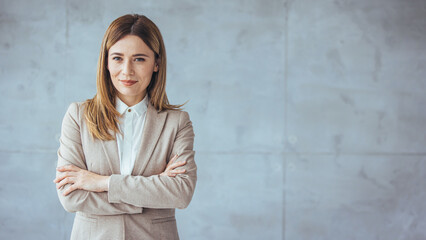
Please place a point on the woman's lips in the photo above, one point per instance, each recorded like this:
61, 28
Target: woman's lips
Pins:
128, 82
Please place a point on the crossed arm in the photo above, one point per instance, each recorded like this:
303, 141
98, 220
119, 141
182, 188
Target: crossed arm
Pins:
85, 191
79, 178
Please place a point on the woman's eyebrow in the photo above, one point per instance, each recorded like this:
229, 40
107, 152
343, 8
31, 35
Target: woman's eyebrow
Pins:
140, 55
134, 55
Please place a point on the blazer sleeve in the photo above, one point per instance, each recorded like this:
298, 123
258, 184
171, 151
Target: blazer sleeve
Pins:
161, 191
71, 152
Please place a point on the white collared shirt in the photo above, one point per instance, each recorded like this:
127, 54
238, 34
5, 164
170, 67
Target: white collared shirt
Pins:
131, 125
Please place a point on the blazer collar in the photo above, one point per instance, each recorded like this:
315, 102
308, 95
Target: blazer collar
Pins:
154, 124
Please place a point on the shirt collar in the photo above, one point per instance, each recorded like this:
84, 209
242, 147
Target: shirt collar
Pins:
140, 108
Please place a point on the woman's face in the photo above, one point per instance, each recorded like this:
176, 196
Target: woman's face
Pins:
131, 64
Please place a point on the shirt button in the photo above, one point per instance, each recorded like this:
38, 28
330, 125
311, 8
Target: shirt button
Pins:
129, 110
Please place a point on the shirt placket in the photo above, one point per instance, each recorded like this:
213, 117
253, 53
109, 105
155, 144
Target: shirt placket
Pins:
127, 143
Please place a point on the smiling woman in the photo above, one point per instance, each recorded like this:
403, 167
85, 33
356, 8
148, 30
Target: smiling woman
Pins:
126, 158
131, 64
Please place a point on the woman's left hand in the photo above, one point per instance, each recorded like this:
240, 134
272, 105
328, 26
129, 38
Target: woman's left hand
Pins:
171, 170
80, 179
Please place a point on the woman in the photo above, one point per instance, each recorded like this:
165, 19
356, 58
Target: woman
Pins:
126, 158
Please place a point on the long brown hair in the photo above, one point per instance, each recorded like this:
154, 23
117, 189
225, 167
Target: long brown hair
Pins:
100, 113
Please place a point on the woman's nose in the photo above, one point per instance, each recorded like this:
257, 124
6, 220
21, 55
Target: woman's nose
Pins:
127, 68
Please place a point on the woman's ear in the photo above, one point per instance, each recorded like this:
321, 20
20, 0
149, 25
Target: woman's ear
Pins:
157, 63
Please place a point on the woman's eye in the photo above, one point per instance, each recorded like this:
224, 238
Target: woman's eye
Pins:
116, 58
139, 59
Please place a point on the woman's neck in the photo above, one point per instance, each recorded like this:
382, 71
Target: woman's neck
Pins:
131, 100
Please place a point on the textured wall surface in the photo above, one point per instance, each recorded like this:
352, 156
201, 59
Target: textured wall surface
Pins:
308, 115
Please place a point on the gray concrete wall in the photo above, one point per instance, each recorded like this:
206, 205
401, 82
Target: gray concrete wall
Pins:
308, 115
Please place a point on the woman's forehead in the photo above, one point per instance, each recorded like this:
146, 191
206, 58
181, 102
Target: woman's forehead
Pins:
130, 44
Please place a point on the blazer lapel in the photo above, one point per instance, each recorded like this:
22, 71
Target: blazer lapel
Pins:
154, 123
111, 151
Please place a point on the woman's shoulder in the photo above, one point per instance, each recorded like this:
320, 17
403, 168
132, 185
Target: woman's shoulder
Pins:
176, 113
75, 109
178, 116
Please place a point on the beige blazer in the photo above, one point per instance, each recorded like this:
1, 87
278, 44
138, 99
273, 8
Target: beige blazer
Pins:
140, 206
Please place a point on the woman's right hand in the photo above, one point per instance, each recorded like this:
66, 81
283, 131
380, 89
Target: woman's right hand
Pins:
171, 170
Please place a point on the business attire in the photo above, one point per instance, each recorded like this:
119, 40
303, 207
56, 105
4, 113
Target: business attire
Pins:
140, 205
